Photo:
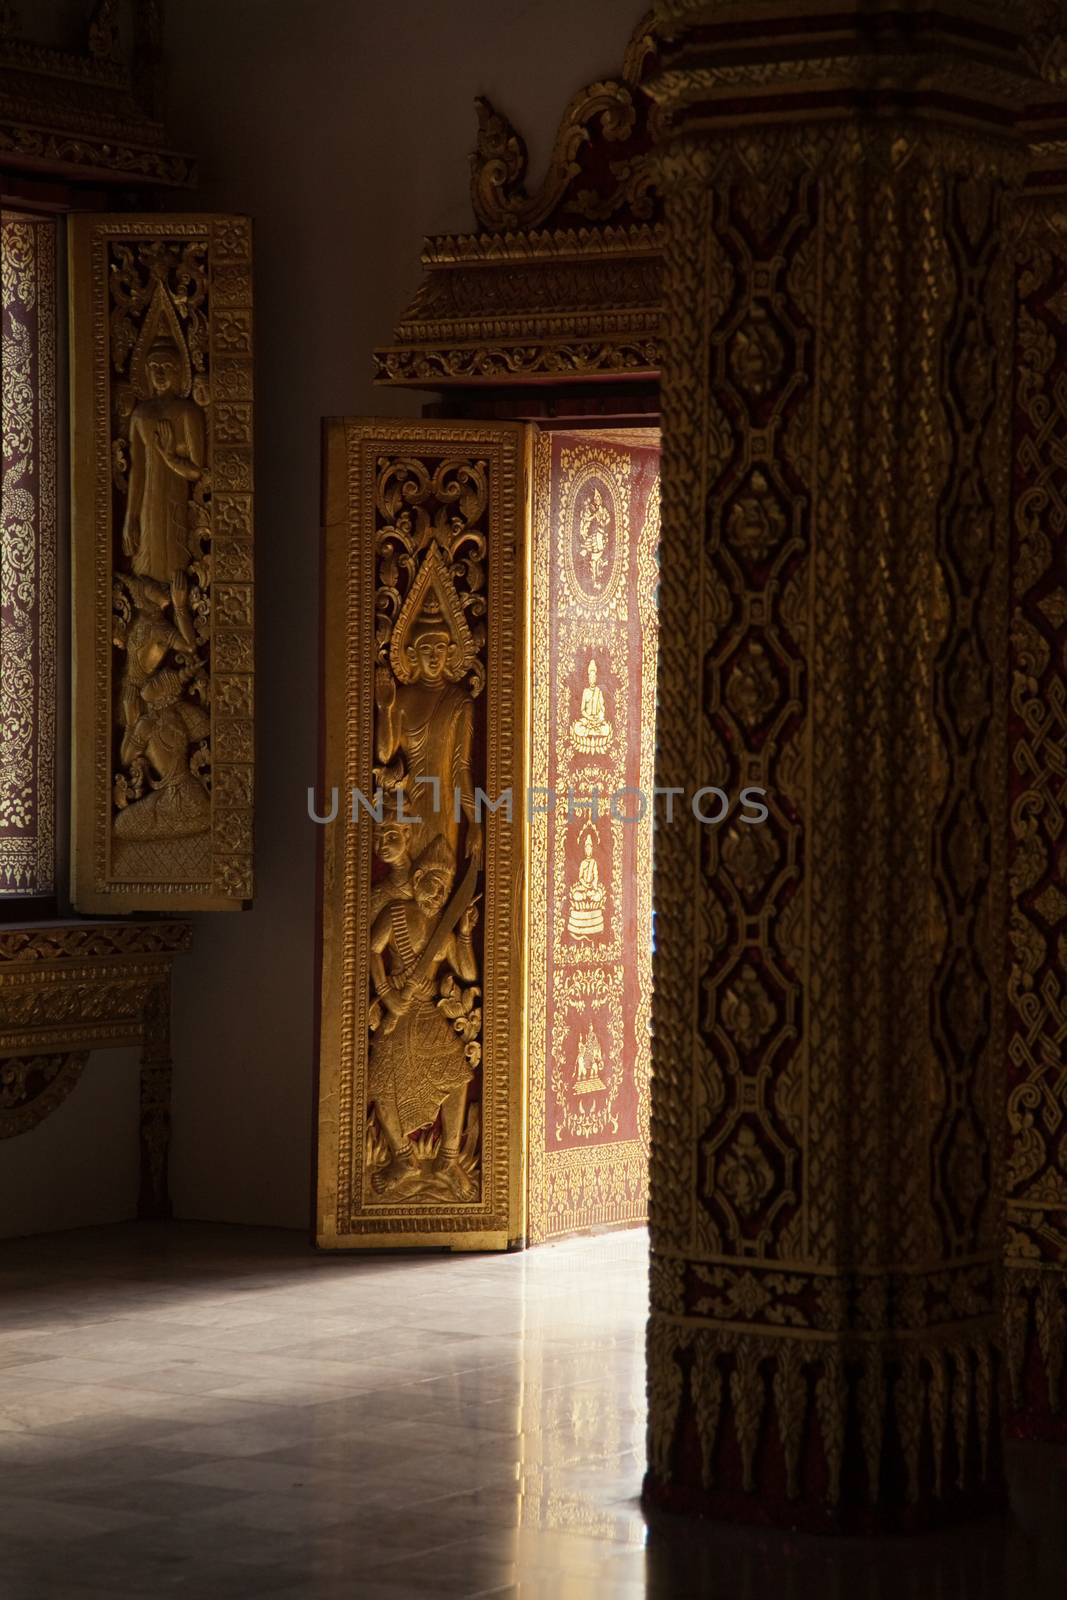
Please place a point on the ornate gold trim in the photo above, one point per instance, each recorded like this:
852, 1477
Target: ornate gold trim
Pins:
1036, 1182
625, 123
577, 302
28, 502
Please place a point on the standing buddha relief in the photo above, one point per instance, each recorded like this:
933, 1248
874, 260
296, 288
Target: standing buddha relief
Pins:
160, 594
424, 1016
162, 541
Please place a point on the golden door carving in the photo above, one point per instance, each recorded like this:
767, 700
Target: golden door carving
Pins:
162, 540
420, 1126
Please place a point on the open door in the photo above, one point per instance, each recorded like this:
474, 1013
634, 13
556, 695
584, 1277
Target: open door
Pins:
486, 819
421, 1064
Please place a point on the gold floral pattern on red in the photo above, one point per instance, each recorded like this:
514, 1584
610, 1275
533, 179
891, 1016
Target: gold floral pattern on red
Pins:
595, 537
28, 559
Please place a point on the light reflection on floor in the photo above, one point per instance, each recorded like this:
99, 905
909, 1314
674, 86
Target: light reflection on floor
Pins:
217, 1412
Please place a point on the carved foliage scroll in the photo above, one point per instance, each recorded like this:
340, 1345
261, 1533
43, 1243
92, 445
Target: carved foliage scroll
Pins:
163, 559
422, 1011
600, 169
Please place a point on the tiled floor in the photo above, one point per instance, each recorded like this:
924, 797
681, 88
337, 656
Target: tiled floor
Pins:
217, 1412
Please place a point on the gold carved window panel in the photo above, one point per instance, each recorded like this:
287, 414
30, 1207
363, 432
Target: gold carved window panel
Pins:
28, 558
161, 310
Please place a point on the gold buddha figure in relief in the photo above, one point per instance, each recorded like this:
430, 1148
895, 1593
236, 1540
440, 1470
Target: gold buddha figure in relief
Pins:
591, 731
426, 724
167, 456
588, 897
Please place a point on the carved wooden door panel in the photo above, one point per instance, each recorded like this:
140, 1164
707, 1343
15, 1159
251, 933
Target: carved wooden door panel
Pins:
421, 1103
161, 374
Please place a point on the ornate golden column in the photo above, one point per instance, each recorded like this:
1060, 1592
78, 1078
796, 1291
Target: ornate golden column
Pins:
829, 996
1036, 1245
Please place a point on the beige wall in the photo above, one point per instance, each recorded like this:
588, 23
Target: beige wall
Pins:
344, 128
80, 1165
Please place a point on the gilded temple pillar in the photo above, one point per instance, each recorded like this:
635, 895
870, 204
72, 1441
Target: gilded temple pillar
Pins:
829, 999
1035, 1286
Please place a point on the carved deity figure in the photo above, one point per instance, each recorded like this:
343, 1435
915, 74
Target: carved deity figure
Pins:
166, 459
594, 520
423, 738
392, 845
588, 897
590, 1065
592, 730
177, 805
146, 641
424, 1017
419, 1065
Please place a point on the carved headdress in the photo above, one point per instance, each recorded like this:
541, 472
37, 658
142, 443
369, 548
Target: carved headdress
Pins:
161, 330
436, 858
432, 610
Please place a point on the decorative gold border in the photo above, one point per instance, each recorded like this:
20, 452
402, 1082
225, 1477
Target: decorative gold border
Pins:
344, 1216
95, 887
608, 1183
42, 377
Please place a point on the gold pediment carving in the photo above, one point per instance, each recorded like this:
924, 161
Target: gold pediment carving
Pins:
600, 168
561, 280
